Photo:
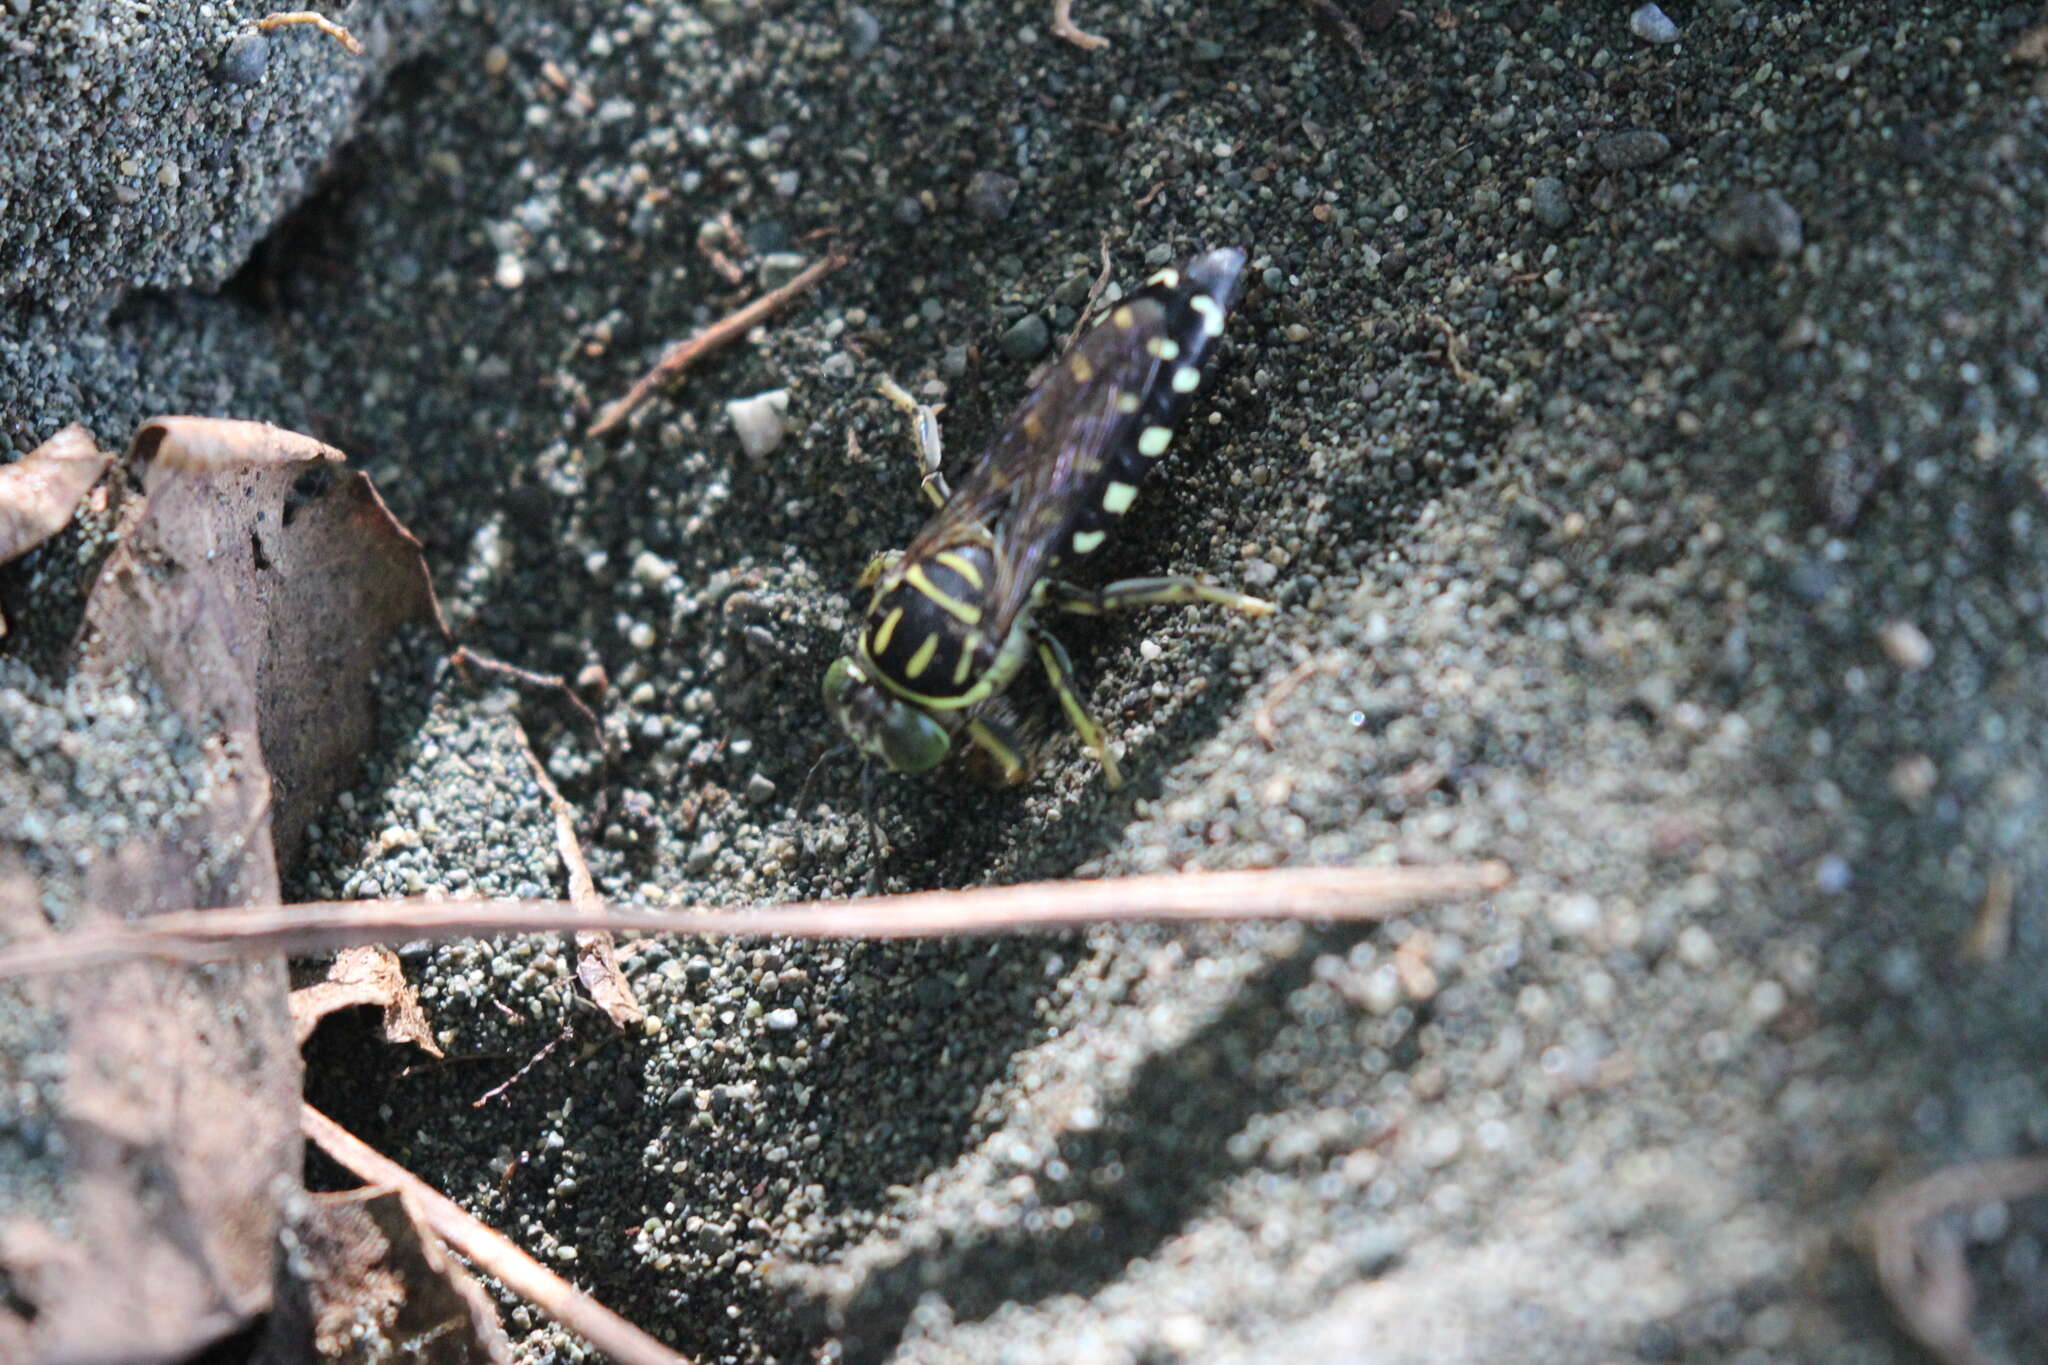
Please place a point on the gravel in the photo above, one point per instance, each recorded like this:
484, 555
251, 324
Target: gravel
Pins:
1596, 548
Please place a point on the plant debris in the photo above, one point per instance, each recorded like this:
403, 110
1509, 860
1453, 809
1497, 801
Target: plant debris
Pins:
369, 975
40, 491
684, 354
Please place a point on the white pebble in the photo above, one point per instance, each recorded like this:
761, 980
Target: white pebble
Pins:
1653, 25
760, 421
1906, 645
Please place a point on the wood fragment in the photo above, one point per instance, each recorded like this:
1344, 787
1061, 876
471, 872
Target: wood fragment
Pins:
684, 354
489, 1251
287, 18
1920, 1264
1990, 934
575, 94
597, 958
1337, 893
1262, 717
1454, 349
1063, 27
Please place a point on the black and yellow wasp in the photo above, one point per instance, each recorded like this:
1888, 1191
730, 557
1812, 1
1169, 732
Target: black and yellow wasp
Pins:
953, 618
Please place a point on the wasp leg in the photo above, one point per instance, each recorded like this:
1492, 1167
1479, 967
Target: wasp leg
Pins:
875, 830
1149, 592
994, 739
924, 427
1059, 670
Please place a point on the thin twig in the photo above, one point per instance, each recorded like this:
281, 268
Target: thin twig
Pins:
1348, 893
1454, 347
1262, 718
684, 354
1921, 1267
597, 959
1094, 293
465, 658
320, 21
529, 1064
489, 1251
1063, 27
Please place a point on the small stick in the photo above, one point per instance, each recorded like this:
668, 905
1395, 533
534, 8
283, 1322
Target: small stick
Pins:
597, 960
684, 354
319, 21
1923, 1272
465, 658
1262, 718
1094, 293
1454, 346
1338, 893
488, 1250
529, 1064
1063, 27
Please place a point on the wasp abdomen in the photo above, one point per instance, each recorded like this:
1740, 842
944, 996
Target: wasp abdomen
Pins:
1179, 313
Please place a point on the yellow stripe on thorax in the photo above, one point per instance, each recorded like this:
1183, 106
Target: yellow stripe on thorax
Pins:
966, 612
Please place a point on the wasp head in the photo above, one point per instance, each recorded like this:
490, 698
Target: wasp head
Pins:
880, 725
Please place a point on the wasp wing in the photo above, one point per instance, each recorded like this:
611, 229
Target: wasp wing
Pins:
1054, 440
1099, 419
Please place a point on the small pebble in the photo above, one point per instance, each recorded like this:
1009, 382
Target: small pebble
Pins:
991, 195
1547, 200
511, 272
245, 59
780, 1021
1759, 223
778, 268
760, 421
1653, 25
1905, 645
863, 32
1913, 778
760, 788
1027, 338
909, 211
1632, 150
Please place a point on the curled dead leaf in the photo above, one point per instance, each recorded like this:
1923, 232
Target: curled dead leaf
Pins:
369, 975
378, 1284
40, 491
294, 561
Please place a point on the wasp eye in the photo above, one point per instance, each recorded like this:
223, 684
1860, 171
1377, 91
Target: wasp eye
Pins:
902, 736
912, 742
838, 680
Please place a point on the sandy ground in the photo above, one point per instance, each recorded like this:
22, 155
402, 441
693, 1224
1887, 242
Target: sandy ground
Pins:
1644, 441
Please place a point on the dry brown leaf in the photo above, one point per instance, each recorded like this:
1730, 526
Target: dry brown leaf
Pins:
303, 571
368, 975
254, 591
379, 1285
40, 491
156, 1235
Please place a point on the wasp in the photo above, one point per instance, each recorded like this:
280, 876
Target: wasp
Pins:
955, 616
